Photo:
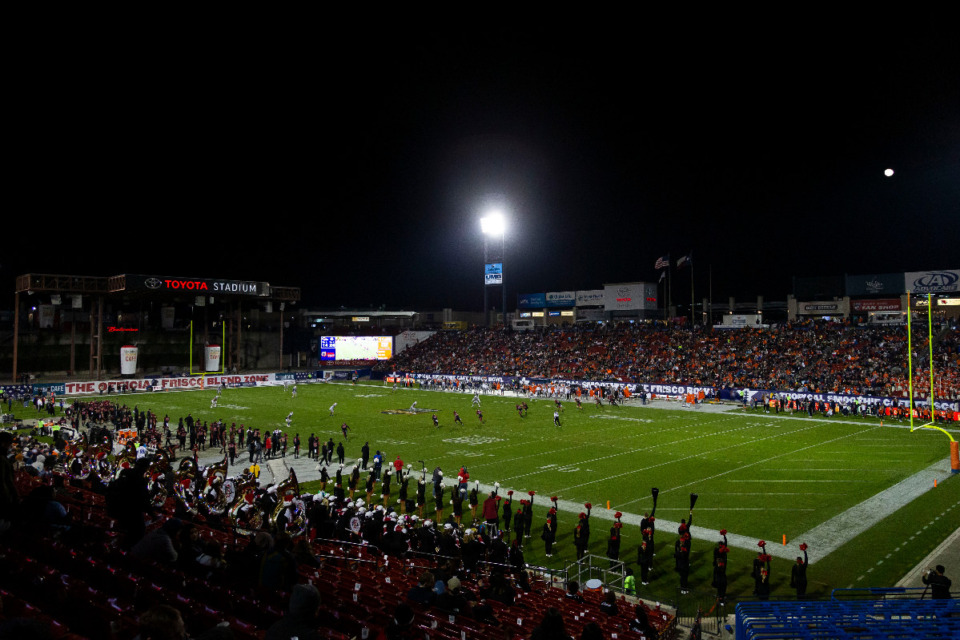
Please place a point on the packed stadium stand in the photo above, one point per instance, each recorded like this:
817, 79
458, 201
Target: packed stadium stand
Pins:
815, 356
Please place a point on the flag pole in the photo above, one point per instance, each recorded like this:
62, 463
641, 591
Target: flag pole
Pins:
669, 286
710, 293
692, 305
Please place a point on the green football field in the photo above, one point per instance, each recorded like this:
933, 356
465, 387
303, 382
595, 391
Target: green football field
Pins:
758, 475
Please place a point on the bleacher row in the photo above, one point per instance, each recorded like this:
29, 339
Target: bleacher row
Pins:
97, 590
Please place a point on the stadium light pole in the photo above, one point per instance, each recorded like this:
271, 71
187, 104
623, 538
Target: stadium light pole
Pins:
493, 225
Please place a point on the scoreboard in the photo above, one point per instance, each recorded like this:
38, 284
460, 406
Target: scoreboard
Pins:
356, 348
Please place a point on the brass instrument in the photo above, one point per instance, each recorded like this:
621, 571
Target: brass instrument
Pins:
185, 486
156, 472
245, 515
288, 497
125, 460
214, 499
95, 461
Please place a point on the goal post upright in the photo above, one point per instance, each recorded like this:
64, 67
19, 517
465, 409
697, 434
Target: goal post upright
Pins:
954, 445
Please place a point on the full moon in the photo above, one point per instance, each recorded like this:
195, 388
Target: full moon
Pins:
888, 172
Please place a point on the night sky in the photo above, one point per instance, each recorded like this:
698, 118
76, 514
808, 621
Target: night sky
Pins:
355, 163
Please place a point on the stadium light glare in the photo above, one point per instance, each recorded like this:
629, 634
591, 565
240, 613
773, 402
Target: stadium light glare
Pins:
493, 224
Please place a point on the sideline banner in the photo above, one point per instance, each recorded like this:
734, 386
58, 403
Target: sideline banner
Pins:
163, 384
842, 398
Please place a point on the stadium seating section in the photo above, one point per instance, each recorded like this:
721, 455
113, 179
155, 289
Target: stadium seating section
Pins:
96, 590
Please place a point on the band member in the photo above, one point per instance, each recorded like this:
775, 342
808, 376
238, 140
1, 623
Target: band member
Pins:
324, 478
354, 480
439, 502
421, 495
720, 567
613, 543
549, 536
798, 574
645, 556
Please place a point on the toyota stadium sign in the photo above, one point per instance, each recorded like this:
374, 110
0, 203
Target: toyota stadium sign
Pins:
201, 286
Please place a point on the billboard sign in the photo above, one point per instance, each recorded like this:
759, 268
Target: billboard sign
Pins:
630, 296
875, 284
590, 298
531, 300
945, 281
493, 274
561, 298
865, 306
203, 286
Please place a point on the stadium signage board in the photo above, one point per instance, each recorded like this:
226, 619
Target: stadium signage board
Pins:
629, 296
493, 273
206, 286
561, 298
590, 298
886, 304
819, 306
945, 281
875, 284
531, 300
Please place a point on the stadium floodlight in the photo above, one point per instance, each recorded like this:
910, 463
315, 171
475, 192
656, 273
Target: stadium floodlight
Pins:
493, 224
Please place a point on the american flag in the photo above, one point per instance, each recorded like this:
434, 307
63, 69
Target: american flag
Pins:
662, 263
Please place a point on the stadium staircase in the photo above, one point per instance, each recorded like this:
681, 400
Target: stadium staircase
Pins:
96, 590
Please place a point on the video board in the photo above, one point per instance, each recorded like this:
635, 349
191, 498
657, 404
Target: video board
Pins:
356, 348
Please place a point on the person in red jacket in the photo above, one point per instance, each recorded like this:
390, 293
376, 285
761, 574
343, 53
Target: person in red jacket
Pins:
490, 514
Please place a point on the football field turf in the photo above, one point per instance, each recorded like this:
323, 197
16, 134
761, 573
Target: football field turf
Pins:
758, 475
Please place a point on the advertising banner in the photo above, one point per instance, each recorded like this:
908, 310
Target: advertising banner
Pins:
211, 358
946, 281
205, 286
875, 284
865, 306
561, 298
842, 398
531, 300
821, 307
128, 360
493, 273
590, 298
623, 297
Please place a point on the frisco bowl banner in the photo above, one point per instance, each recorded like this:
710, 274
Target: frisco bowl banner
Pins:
197, 286
167, 384
945, 281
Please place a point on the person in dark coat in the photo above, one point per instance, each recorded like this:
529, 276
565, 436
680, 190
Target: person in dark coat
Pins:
798, 574
682, 556
939, 583
580, 536
549, 536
